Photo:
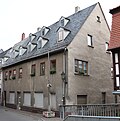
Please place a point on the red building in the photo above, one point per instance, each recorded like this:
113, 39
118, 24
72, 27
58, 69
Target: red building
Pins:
114, 47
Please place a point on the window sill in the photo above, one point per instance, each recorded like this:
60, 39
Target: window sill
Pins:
32, 74
52, 72
90, 46
108, 52
81, 74
42, 74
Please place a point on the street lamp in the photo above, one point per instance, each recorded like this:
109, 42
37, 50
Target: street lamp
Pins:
63, 77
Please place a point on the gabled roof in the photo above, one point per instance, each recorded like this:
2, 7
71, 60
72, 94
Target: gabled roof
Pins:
115, 10
115, 30
75, 23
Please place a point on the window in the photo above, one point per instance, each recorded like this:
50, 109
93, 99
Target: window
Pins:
42, 69
53, 100
22, 51
52, 66
116, 66
106, 46
81, 99
33, 69
62, 22
112, 72
103, 97
10, 75
6, 75
38, 100
98, 19
60, 35
43, 32
81, 67
14, 74
89, 39
12, 98
27, 99
20, 72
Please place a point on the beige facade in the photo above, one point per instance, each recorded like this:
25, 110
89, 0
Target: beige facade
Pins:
93, 86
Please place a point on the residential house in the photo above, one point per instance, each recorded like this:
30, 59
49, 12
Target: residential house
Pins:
114, 47
74, 46
3, 58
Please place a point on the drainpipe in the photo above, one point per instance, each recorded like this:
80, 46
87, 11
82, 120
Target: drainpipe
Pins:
64, 81
49, 85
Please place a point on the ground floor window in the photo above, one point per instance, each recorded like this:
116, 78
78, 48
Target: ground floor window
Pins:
81, 99
38, 100
53, 101
12, 97
27, 99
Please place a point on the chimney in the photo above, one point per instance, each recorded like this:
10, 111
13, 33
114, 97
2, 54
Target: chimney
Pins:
23, 36
77, 8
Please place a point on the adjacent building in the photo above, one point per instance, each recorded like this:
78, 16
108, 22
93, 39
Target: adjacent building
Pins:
114, 47
75, 48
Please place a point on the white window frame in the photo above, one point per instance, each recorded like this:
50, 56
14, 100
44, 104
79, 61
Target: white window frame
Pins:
90, 40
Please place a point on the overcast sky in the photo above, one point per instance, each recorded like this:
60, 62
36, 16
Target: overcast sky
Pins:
18, 16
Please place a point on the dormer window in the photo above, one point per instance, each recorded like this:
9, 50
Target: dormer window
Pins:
44, 31
62, 34
41, 42
63, 21
22, 50
32, 36
15, 53
31, 47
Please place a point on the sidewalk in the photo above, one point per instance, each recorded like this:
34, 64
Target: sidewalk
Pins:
34, 115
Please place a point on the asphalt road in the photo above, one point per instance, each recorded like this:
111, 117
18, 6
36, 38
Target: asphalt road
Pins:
9, 115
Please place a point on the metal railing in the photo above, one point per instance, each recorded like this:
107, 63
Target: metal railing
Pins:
92, 110
90, 118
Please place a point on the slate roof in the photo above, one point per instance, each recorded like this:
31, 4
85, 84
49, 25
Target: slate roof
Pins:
75, 23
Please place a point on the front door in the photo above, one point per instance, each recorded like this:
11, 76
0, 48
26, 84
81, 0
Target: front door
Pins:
19, 100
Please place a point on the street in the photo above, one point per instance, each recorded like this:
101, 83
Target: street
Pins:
11, 115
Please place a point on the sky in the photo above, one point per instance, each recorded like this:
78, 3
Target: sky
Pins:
18, 16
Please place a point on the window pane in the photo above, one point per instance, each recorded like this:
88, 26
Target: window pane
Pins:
53, 66
33, 68
117, 82
89, 39
117, 68
116, 57
85, 67
106, 46
42, 69
80, 66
